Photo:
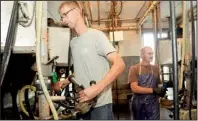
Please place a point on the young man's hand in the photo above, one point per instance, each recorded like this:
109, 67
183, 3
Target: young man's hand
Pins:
57, 86
60, 84
89, 93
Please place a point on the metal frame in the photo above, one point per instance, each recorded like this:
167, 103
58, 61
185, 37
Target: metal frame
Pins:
175, 59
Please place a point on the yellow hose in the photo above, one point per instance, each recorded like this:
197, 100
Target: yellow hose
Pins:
32, 88
38, 61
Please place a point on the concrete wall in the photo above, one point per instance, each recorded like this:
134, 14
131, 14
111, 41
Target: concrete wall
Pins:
131, 44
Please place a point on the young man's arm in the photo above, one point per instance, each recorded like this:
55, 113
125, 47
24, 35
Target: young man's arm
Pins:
133, 80
117, 68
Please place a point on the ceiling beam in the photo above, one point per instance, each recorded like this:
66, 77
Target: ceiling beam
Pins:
143, 18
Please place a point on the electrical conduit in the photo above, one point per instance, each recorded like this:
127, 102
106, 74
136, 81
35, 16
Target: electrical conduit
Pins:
38, 60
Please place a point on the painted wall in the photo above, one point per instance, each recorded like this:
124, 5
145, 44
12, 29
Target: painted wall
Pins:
131, 44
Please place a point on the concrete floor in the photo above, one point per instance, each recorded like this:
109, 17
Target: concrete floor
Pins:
123, 113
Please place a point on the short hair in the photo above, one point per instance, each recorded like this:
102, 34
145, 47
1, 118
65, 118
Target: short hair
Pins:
50, 22
71, 4
142, 50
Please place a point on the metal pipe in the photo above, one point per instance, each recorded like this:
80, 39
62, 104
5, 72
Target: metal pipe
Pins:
193, 59
118, 28
154, 18
9, 41
175, 59
116, 79
197, 38
143, 18
90, 11
184, 17
156, 36
98, 3
141, 9
118, 19
44, 109
58, 98
159, 29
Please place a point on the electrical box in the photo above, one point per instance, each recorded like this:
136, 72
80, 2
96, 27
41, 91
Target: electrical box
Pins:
59, 44
118, 36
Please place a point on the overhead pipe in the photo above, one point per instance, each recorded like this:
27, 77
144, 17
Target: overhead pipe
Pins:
124, 28
141, 9
98, 3
143, 18
175, 59
118, 19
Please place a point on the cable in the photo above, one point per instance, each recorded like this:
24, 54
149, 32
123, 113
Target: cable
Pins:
28, 104
38, 62
20, 98
121, 8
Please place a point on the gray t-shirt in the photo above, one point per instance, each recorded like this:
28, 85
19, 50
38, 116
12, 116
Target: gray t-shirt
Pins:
89, 53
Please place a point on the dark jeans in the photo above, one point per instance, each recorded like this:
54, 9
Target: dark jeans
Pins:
100, 113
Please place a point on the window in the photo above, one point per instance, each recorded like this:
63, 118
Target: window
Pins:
148, 40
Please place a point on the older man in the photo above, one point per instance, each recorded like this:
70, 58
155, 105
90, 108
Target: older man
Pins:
144, 79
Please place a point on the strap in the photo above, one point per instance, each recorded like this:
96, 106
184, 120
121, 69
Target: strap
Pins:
140, 69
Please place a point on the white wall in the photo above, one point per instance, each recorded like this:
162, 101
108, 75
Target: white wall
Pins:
52, 10
131, 44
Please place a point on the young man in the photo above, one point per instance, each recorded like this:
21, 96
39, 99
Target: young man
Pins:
91, 51
144, 79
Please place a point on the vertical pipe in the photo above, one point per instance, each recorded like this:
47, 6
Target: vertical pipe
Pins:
159, 20
175, 59
9, 44
156, 36
159, 28
44, 109
154, 18
98, 3
184, 17
193, 57
116, 79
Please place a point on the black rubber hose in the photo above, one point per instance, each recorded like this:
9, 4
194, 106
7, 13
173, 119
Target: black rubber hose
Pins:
31, 116
9, 41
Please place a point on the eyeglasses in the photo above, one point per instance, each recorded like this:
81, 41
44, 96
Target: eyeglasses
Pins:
65, 14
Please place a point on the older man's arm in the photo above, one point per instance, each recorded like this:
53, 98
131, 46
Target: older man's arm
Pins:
133, 80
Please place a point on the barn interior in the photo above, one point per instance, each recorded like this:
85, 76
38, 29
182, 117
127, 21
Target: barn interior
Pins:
32, 58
